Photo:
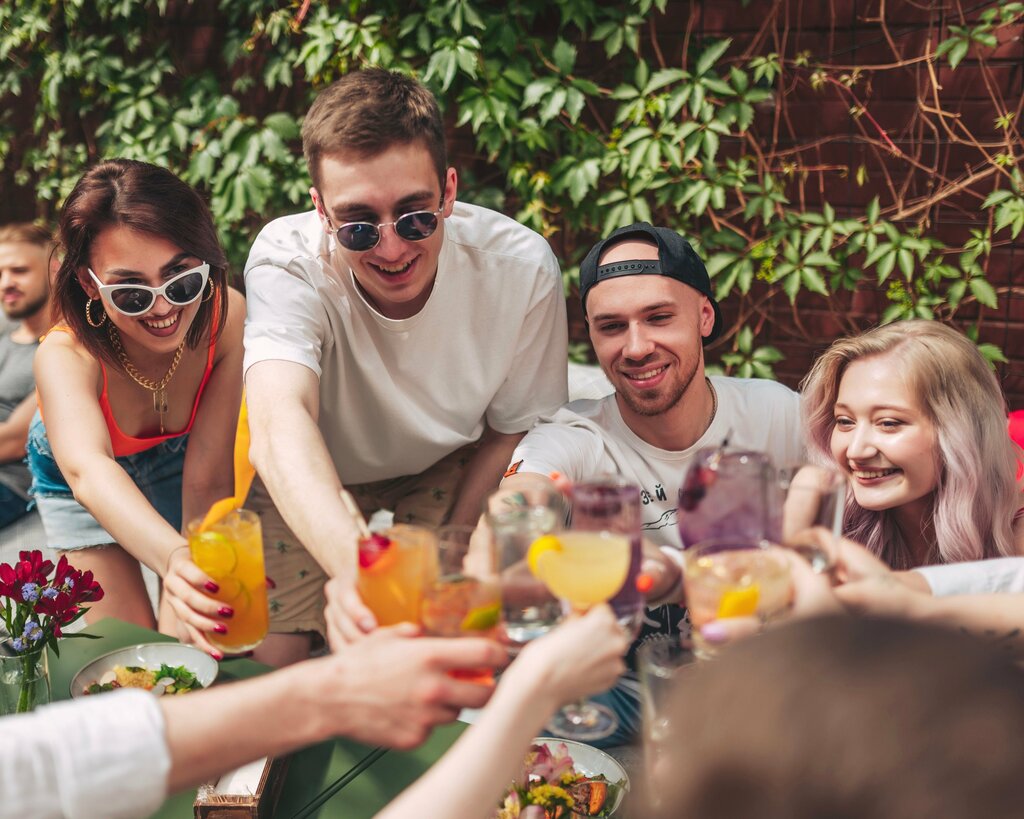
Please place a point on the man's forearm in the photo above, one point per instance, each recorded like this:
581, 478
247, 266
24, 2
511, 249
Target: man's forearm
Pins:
482, 474
304, 487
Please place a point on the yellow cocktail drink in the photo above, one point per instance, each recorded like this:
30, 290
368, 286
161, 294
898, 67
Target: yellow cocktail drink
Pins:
230, 551
394, 569
581, 567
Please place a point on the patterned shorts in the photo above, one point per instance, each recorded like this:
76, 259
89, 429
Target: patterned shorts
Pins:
297, 602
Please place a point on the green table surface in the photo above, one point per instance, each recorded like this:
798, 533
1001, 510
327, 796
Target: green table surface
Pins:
338, 779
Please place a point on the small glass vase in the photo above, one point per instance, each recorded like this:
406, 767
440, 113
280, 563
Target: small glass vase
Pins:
24, 680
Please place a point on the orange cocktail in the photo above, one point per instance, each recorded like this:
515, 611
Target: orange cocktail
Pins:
394, 568
464, 599
230, 551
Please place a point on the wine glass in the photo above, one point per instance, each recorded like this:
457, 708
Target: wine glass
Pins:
612, 504
584, 569
733, 577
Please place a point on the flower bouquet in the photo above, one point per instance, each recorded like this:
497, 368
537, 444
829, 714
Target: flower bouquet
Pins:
34, 608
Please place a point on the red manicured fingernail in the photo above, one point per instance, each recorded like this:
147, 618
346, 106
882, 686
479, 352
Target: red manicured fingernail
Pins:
271, 584
211, 587
226, 611
555, 475
644, 583
217, 655
220, 628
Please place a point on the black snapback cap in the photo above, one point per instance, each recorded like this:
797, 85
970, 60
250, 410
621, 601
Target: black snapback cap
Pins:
676, 259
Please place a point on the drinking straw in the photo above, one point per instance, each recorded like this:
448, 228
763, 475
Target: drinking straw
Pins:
353, 509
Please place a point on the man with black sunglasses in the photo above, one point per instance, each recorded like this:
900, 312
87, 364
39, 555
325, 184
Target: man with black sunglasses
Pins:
399, 343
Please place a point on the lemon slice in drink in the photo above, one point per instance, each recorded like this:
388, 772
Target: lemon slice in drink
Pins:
213, 553
482, 618
739, 602
541, 546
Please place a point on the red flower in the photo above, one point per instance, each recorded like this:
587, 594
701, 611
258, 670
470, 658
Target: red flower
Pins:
30, 568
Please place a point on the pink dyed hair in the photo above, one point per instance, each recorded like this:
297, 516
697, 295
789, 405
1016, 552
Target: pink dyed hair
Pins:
977, 493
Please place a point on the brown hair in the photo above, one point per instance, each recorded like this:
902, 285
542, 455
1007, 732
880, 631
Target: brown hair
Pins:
148, 199
28, 233
369, 111
843, 717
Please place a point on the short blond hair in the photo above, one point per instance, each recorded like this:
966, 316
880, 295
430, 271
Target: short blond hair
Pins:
29, 233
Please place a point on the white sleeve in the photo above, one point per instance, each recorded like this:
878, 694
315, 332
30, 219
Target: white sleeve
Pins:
100, 756
998, 575
285, 319
538, 382
553, 447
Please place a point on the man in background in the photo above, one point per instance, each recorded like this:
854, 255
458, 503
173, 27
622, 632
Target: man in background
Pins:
27, 262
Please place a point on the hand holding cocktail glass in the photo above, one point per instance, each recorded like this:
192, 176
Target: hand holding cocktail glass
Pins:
227, 544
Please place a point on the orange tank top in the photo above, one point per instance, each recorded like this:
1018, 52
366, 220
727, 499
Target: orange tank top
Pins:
126, 444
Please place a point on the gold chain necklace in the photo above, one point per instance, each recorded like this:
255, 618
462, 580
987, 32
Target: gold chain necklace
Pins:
158, 388
714, 402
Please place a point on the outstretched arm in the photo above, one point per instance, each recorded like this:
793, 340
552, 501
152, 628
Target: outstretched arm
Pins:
580, 657
291, 457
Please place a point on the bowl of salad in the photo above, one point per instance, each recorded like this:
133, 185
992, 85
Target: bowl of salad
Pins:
163, 668
561, 779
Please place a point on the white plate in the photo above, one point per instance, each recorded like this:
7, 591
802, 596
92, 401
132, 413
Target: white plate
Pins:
147, 655
591, 761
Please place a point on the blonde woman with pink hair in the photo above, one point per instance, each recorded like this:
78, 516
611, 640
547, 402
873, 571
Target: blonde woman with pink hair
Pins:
914, 416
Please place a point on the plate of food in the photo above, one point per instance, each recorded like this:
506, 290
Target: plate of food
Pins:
562, 779
163, 668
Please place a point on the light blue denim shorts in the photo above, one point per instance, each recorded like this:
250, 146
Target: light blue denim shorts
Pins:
69, 525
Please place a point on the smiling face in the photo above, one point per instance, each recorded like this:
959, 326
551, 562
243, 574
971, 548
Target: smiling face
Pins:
397, 275
648, 332
24, 279
120, 255
882, 436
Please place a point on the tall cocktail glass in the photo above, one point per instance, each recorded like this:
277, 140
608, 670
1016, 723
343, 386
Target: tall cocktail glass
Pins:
612, 504
394, 568
584, 569
464, 600
230, 551
805, 498
734, 578
724, 493
517, 518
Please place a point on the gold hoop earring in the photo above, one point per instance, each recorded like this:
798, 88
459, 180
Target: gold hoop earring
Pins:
209, 295
88, 315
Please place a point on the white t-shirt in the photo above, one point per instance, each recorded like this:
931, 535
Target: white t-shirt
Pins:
396, 396
588, 438
97, 756
1000, 575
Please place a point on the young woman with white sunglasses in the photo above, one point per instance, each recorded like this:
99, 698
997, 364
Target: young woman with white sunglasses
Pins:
139, 389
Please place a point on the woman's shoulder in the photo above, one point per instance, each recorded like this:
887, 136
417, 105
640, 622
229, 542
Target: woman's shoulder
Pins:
62, 359
60, 343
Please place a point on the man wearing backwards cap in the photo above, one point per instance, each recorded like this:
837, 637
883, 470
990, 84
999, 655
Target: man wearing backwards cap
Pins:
650, 310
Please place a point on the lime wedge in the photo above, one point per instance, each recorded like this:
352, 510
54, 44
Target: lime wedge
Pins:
482, 618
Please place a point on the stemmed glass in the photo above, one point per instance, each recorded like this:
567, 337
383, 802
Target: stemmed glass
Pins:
731, 577
725, 493
584, 569
612, 504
